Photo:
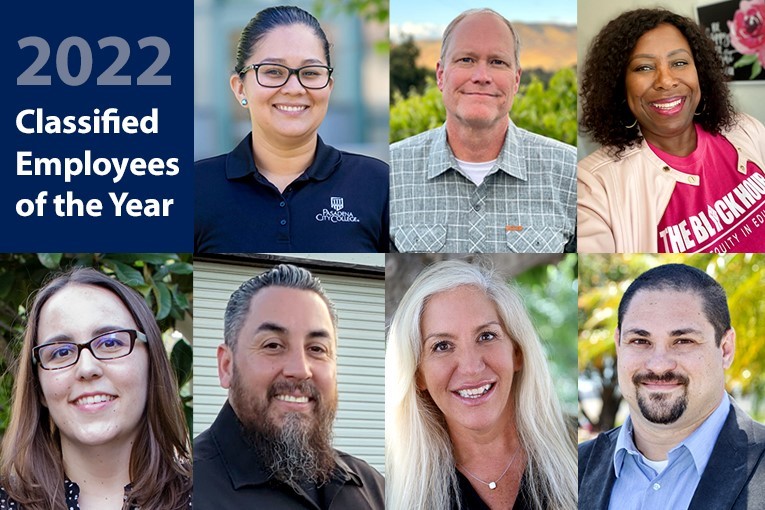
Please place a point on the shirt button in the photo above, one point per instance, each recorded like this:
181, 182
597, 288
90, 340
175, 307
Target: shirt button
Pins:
656, 486
666, 169
282, 204
692, 179
477, 207
283, 222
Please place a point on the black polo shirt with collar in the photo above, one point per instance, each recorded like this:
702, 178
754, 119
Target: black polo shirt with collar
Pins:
339, 204
229, 474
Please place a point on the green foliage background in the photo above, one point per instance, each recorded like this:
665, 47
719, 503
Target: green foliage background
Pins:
549, 110
163, 279
549, 292
604, 278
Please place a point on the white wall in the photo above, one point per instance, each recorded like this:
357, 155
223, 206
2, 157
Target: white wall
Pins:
594, 14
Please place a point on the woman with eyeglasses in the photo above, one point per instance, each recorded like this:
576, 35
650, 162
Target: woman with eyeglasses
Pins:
96, 421
282, 188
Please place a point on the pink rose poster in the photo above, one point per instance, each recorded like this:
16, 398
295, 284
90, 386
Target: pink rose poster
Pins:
737, 28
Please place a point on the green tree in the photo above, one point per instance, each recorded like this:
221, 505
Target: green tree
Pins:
405, 76
604, 278
163, 279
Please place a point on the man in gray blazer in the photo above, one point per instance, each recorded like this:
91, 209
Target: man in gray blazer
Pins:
685, 444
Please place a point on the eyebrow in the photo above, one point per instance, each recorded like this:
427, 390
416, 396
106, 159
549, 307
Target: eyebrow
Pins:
276, 328
670, 54
673, 333
449, 335
275, 60
95, 333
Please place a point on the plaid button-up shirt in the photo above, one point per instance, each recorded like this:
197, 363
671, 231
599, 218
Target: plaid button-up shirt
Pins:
527, 202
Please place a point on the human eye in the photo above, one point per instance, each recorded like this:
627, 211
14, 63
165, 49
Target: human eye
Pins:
272, 346
465, 60
59, 352
318, 350
274, 71
487, 336
638, 341
312, 72
641, 68
498, 62
685, 341
111, 341
680, 63
441, 346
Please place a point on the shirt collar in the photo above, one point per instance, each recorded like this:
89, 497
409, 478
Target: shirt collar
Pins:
241, 164
700, 443
510, 160
243, 463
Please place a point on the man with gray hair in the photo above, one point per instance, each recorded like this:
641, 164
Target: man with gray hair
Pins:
479, 183
271, 444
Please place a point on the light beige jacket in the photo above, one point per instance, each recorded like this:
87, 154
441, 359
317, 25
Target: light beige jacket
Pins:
620, 201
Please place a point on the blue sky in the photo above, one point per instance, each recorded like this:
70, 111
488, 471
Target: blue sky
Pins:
442, 11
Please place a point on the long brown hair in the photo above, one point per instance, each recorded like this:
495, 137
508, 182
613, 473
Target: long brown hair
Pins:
31, 466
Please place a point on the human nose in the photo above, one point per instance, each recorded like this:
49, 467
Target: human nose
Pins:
88, 366
481, 72
297, 366
660, 361
471, 361
665, 78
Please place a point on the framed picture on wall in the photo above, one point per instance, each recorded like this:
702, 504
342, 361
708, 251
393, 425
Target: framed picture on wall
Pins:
738, 29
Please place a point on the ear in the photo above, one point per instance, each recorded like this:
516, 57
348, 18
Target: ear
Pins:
617, 338
237, 87
440, 75
728, 347
419, 381
517, 83
517, 357
225, 365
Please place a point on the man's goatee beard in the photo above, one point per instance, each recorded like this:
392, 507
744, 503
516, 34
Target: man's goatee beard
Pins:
300, 449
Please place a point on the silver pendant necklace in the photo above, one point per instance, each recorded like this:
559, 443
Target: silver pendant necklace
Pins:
493, 485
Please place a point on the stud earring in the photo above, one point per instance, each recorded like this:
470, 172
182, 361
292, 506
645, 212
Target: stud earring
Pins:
244, 101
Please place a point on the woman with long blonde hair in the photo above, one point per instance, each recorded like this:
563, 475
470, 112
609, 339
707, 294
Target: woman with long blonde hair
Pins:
472, 419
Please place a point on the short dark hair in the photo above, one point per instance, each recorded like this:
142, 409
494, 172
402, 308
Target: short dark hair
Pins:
682, 278
269, 19
283, 275
605, 112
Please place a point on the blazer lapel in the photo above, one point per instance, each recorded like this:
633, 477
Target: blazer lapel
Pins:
598, 479
734, 457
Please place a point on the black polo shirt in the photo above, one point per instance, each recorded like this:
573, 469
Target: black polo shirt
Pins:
339, 204
229, 474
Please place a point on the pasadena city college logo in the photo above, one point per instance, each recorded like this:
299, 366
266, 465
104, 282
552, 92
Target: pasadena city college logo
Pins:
337, 215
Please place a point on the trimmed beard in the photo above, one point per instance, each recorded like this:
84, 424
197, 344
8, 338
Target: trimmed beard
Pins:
300, 449
660, 408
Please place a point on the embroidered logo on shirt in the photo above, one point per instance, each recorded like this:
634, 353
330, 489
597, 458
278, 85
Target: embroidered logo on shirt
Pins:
338, 215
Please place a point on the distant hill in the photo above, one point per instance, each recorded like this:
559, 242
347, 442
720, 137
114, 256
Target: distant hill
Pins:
547, 46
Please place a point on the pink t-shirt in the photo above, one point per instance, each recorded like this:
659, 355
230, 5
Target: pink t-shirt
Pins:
724, 213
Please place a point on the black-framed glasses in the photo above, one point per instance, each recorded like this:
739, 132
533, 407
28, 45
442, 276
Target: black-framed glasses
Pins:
110, 345
276, 75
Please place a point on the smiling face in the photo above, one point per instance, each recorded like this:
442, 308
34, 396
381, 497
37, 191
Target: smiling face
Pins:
478, 75
290, 113
284, 361
468, 360
92, 402
662, 87
670, 370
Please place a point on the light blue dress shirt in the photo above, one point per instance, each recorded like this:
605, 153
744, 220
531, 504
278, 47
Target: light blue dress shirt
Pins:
639, 487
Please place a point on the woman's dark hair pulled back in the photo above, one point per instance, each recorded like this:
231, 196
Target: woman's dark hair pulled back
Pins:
269, 19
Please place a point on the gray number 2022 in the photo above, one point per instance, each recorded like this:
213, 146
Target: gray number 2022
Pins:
81, 75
